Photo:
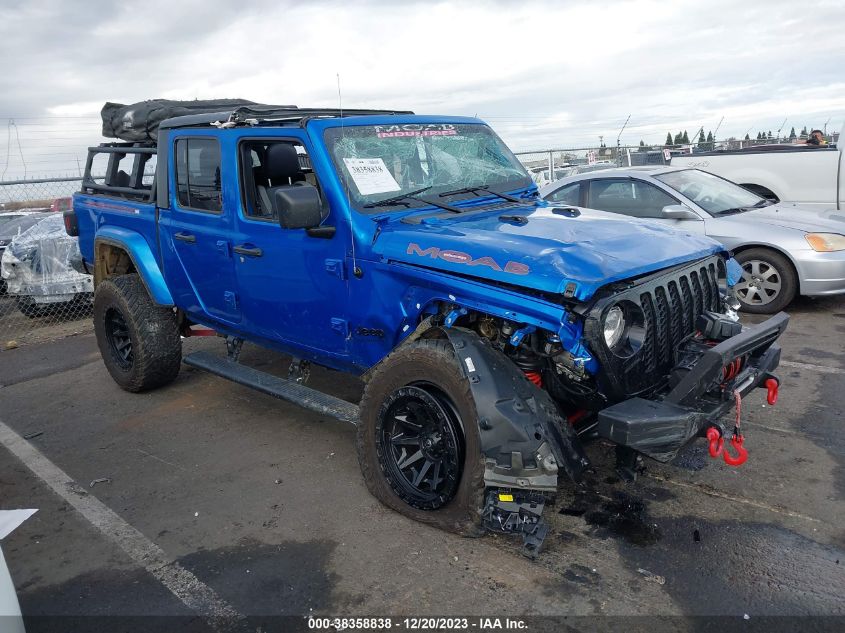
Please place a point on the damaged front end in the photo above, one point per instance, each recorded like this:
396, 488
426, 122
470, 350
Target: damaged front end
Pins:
683, 362
679, 363
711, 377
525, 442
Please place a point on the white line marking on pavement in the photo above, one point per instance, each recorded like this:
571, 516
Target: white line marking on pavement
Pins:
819, 368
771, 428
712, 492
195, 594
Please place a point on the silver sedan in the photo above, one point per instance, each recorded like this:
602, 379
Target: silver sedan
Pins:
784, 249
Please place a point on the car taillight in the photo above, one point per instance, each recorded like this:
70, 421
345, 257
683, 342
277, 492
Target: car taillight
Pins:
71, 225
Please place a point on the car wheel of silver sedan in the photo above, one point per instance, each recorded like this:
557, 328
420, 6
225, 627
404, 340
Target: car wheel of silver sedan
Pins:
768, 281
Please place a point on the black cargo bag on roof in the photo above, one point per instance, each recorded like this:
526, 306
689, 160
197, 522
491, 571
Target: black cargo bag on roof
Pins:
139, 122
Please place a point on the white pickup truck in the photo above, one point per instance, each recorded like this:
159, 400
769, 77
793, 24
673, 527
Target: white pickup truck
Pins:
790, 173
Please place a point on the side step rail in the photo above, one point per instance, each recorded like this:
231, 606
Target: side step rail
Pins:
289, 390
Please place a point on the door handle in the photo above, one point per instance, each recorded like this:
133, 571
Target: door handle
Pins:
249, 251
185, 237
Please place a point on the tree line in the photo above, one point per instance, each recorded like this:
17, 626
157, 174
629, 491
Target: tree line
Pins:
708, 142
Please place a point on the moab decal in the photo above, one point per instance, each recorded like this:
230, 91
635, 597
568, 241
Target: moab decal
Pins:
459, 257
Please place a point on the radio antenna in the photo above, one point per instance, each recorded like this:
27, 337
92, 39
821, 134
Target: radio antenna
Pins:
355, 269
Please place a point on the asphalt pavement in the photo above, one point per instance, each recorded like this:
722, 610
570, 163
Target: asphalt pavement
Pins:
255, 505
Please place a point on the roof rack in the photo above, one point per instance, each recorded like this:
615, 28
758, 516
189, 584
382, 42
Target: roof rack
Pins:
254, 115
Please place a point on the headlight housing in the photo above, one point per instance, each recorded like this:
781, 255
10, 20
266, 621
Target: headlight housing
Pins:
613, 326
825, 242
623, 328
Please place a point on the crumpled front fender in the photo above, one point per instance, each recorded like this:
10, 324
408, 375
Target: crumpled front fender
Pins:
524, 440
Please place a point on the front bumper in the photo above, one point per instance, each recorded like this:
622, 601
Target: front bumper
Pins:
660, 428
820, 273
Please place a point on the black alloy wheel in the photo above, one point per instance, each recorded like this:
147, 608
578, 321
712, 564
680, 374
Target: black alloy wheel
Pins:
420, 446
120, 343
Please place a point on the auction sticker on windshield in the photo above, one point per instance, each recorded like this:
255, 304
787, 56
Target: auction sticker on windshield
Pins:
371, 175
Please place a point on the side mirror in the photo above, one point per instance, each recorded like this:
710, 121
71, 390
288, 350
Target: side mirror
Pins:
298, 207
678, 212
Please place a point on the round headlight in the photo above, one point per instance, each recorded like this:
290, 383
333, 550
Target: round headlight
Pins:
614, 326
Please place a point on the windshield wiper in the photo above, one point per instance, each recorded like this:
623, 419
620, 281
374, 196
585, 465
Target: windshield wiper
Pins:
765, 202
412, 195
483, 188
733, 210
396, 199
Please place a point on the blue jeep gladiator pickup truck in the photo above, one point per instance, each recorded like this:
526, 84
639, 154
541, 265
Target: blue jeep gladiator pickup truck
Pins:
496, 333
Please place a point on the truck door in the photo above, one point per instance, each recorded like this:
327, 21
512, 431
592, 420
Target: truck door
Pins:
293, 286
196, 231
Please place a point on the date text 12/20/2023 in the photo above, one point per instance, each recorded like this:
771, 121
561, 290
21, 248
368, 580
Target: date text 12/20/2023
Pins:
418, 624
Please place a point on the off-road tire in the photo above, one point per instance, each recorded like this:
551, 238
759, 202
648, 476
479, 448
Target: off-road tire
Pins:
430, 361
786, 273
156, 344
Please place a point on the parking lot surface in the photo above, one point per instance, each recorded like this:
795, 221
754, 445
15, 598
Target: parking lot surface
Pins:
262, 503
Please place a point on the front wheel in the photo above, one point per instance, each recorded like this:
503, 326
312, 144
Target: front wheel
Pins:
418, 444
138, 340
768, 283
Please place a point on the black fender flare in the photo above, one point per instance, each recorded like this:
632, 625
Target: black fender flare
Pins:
519, 424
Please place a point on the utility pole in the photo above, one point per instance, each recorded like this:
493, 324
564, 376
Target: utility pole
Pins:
618, 146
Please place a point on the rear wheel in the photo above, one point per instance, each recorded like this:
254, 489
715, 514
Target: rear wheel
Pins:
418, 443
768, 283
138, 340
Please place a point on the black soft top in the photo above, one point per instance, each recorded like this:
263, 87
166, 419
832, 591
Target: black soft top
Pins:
140, 122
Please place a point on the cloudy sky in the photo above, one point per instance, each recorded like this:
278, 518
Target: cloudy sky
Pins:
544, 74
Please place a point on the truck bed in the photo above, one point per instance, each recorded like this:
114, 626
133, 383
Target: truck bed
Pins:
801, 175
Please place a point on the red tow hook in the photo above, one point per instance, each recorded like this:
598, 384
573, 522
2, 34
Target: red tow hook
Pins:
716, 441
741, 453
772, 386
717, 447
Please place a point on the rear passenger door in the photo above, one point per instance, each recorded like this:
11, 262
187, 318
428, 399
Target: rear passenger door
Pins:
196, 230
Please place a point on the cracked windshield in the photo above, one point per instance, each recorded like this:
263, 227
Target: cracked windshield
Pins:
411, 165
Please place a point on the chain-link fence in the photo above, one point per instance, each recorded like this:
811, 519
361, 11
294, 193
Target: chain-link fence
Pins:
548, 165
42, 296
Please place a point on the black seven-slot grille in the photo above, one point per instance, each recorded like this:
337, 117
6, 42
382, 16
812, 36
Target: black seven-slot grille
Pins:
669, 302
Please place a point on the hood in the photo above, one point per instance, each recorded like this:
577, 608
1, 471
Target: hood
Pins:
548, 252
796, 216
